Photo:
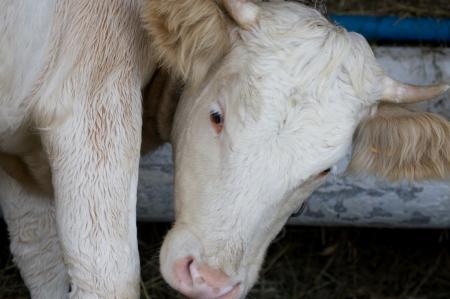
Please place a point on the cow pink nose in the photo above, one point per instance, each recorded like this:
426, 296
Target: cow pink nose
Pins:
203, 282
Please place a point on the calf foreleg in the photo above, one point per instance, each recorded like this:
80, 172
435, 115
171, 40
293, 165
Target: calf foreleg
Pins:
34, 241
94, 156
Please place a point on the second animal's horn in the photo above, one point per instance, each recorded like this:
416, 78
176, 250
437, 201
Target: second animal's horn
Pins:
398, 92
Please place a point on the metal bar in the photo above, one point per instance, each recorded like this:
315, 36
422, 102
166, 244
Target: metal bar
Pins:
390, 28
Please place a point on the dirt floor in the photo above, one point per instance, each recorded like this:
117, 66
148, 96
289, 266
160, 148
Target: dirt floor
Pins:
345, 263
311, 263
319, 263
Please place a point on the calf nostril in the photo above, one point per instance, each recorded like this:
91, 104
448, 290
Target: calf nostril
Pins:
211, 283
202, 281
213, 277
183, 271
195, 275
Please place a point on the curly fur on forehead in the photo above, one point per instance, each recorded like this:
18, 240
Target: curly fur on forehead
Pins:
295, 45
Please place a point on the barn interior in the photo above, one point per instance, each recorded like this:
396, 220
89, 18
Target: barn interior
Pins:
385, 256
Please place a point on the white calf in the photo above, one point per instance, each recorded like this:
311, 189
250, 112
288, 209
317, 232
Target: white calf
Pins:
272, 100
70, 106
71, 74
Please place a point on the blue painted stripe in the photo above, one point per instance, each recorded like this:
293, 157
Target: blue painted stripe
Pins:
390, 28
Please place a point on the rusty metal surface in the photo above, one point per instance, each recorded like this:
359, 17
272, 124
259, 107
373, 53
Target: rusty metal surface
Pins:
343, 200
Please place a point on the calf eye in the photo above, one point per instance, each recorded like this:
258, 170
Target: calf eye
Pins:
216, 119
326, 171
323, 173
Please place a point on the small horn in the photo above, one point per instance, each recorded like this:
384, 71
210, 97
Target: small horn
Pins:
397, 92
244, 12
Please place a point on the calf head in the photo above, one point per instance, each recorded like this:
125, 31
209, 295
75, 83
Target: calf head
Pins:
273, 112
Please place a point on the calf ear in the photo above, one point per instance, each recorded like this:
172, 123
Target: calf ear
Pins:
399, 144
189, 36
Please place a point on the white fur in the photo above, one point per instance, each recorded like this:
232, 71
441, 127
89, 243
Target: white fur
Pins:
293, 89
71, 72
34, 241
244, 12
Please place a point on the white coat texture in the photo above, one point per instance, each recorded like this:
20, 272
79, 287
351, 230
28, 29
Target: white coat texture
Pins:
290, 88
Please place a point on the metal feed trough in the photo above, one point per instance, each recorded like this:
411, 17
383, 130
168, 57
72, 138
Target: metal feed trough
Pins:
342, 200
